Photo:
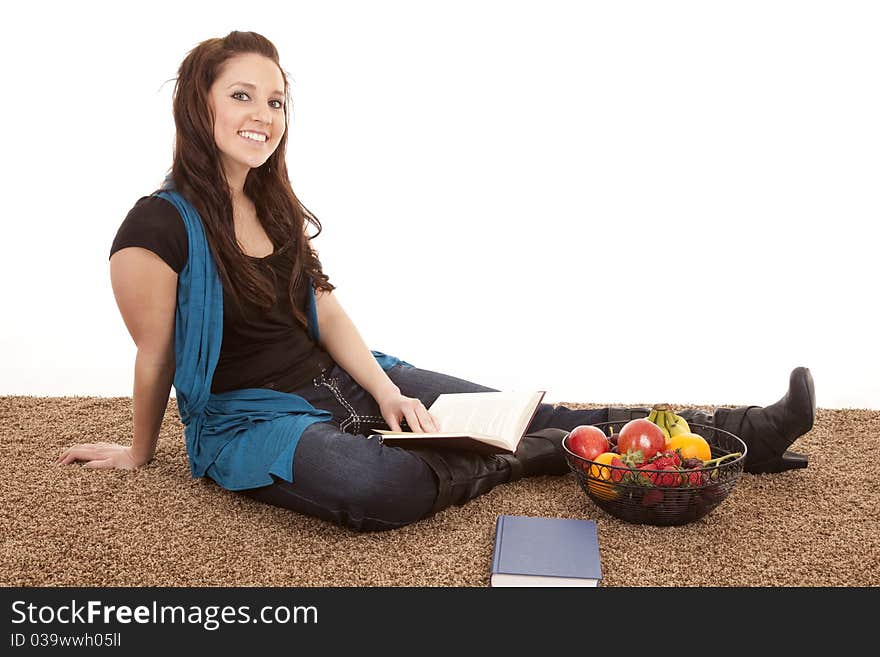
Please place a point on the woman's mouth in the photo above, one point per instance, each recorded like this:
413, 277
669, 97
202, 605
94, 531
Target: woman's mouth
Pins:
253, 141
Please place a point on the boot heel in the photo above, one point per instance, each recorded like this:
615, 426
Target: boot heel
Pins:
788, 461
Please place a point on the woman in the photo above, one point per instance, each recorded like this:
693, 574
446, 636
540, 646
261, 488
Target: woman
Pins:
226, 300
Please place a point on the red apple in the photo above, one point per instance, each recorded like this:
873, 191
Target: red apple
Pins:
641, 434
587, 441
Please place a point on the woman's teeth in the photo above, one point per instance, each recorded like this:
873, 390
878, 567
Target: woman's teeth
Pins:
250, 136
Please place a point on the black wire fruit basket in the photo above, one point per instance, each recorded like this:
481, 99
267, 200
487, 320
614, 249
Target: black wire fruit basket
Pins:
673, 498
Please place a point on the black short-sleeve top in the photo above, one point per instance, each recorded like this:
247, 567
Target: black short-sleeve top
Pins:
260, 349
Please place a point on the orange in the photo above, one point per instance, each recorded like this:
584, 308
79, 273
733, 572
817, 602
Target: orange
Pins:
691, 446
598, 475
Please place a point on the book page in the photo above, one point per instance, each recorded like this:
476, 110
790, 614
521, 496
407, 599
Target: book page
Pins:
501, 414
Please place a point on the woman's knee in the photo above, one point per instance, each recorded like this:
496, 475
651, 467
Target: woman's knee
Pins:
396, 489
363, 484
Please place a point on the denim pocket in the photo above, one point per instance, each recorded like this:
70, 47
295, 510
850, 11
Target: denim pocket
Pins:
332, 384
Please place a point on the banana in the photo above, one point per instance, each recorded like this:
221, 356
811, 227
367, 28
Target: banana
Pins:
665, 424
659, 413
669, 422
677, 426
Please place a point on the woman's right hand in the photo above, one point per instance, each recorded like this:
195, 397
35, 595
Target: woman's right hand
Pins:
100, 455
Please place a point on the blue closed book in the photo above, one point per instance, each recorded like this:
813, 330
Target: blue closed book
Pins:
533, 551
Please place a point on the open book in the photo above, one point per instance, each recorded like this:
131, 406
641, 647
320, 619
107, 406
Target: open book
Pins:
488, 422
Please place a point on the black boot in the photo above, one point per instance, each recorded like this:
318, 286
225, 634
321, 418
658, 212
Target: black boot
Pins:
768, 431
463, 475
541, 453
624, 414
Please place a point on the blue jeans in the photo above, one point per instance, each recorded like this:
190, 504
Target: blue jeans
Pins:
344, 474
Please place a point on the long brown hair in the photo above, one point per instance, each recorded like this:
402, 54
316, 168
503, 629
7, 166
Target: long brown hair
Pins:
198, 176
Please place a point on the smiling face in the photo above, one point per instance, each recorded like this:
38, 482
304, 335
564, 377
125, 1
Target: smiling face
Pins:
248, 95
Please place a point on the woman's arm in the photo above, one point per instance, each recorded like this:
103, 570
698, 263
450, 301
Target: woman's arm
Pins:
341, 339
152, 386
145, 288
344, 343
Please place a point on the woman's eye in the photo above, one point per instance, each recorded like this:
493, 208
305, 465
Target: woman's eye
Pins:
280, 103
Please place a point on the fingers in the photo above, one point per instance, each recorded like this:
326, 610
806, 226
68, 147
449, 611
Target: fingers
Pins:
427, 420
99, 464
75, 453
418, 418
99, 456
83, 452
412, 411
412, 419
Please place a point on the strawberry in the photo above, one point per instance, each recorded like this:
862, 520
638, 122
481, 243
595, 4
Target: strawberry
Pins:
693, 475
617, 475
694, 478
664, 470
649, 472
632, 459
668, 476
662, 459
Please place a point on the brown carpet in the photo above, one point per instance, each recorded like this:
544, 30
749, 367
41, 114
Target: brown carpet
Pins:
71, 526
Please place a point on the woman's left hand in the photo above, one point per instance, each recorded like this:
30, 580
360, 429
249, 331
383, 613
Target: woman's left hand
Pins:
395, 407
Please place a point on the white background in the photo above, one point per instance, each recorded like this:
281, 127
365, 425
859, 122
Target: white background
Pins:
622, 202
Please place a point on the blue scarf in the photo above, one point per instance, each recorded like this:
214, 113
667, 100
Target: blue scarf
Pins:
239, 437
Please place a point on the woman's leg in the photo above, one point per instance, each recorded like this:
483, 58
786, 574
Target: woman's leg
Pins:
346, 477
357, 411
540, 451
458, 475
769, 431
353, 481
427, 385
